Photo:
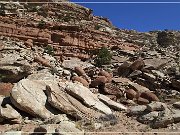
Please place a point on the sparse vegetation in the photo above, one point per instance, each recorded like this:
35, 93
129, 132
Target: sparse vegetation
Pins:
49, 50
41, 24
103, 57
97, 27
66, 18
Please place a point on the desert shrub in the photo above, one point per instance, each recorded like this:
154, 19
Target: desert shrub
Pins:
166, 38
49, 50
103, 57
97, 27
41, 24
66, 18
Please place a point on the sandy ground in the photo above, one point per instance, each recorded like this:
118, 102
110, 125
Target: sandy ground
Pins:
126, 125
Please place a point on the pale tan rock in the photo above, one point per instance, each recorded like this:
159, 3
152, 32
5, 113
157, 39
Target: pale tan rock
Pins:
87, 97
29, 96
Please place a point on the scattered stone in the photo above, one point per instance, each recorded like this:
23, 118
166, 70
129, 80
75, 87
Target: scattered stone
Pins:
66, 72
158, 73
177, 105
29, 43
123, 69
176, 84
156, 106
137, 65
130, 94
106, 74
100, 80
149, 96
5, 89
79, 71
81, 80
156, 63
9, 113
74, 62
138, 87
137, 110
69, 128
149, 77
112, 104
42, 61
135, 74
142, 101
148, 118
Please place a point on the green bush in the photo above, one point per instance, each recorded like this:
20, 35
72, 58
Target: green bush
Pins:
97, 27
49, 50
41, 24
103, 57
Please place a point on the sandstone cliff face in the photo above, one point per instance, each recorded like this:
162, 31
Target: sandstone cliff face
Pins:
70, 28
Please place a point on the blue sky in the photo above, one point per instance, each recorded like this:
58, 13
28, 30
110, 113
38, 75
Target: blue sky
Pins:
140, 17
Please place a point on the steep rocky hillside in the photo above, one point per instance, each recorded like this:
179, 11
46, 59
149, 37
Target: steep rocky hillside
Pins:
62, 69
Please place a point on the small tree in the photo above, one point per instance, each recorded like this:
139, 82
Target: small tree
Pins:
103, 57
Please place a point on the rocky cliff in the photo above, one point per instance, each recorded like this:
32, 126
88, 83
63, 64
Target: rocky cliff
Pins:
50, 83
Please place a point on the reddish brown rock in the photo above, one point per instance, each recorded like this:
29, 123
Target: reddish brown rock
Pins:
112, 89
80, 71
81, 80
5, 88
130, 93
1, 46
149, 96
106, 74
142, 101
137, 65
29, 43
100, 80
42, 61
112, 97
123, 69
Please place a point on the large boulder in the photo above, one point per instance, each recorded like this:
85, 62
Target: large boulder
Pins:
106, 74
13, 73
87, 97
59, 99
149, 96
10, 114
123, 69
81, 80
100, 80
28, 95
112, 104
80, 71
176, 84
137, 65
